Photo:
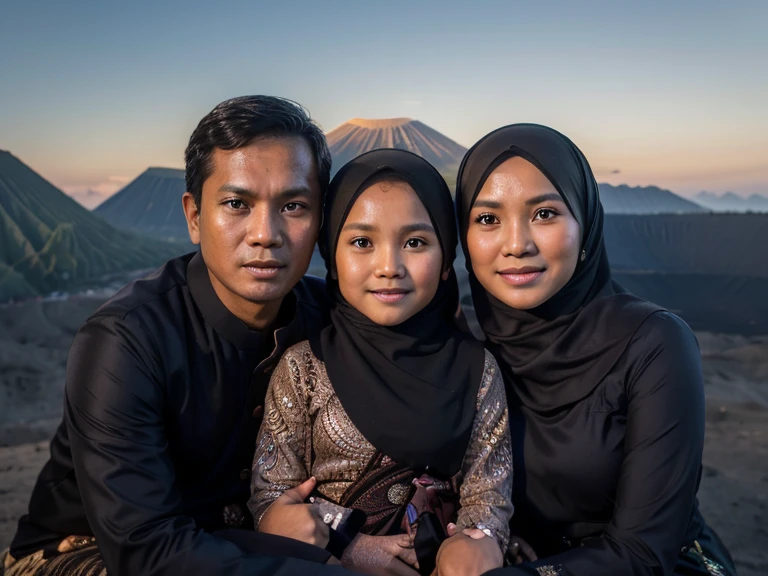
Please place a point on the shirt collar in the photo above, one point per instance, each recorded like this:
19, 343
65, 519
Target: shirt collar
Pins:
227, 324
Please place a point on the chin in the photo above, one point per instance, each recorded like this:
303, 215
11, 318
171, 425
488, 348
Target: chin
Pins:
388, 320
266, 293
520, 301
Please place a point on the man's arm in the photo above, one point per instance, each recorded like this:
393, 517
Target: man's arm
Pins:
114, 412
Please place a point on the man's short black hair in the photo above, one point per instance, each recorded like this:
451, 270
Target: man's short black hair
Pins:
238, 122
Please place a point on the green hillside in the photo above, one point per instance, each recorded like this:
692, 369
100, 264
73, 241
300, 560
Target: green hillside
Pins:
49, 242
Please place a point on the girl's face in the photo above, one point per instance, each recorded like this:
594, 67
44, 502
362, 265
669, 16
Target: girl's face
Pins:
523, 241
388, 258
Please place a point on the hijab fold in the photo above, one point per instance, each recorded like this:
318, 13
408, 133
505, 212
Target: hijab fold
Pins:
557, 353
410, 389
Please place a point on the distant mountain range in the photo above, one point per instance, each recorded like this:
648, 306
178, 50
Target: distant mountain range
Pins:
150, 204
625, 199
49, 242
730, 202
362, 135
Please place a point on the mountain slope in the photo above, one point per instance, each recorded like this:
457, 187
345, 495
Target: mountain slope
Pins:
625, 199
730, 202
362, 135
150, 204
50, 242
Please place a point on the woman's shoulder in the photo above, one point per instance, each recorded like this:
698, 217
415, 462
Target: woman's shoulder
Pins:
663, 330
664, 349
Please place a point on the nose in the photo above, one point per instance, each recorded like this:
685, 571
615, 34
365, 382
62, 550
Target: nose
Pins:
389, 263
264, 228
518, 241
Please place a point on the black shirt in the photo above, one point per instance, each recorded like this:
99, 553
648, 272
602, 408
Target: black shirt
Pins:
607, 486
161, 412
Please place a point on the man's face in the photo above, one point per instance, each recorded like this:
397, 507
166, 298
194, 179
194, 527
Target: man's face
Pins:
257, 222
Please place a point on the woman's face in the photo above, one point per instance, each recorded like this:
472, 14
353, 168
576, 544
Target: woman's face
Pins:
523, 241
388, 258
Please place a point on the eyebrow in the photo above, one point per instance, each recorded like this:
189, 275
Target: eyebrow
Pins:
487, 204
362, 227
289, 193
549, 197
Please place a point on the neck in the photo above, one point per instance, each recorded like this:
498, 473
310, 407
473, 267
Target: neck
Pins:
256, 315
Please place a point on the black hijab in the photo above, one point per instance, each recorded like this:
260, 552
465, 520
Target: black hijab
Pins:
557, 353
410, 389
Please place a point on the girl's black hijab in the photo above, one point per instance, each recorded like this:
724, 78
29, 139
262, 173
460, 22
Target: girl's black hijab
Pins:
557, 353
410, 389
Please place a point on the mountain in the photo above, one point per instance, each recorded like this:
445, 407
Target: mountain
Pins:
703, 267
150, 204
88, 198
361, 135
625, 199
49, 242
730, 202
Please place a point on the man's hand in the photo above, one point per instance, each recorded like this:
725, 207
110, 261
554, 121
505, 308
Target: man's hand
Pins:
468, 554
290, 516
381, 555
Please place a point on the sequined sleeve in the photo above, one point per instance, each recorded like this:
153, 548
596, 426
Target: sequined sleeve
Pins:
485, 478
283, 447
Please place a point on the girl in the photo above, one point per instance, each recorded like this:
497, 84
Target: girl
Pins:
390, 410
605, 390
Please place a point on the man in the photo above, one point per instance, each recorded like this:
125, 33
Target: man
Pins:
149, 470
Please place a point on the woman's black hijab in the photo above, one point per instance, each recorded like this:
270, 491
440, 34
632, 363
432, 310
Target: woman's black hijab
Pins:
557, 353
410, 389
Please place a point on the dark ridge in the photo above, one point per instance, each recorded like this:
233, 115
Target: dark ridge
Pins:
150, 204
625, 199
49, 242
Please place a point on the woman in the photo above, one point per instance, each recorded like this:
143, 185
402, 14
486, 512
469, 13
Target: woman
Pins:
605, 390
390, 410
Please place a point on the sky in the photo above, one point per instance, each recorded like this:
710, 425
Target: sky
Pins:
668, 93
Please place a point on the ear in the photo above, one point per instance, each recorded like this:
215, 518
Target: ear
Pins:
445, 274
192, 214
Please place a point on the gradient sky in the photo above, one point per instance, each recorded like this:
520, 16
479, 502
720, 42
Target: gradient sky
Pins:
667, 93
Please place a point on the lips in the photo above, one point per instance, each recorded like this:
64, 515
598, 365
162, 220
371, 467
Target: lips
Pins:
264, 269
390, 295
521, 276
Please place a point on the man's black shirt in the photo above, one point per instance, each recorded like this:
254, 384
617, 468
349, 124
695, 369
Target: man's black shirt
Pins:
162, 406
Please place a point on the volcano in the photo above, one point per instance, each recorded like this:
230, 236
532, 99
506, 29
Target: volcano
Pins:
362, 135
150, 204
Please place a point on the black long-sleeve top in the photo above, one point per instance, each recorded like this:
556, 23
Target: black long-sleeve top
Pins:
607, 486
160, 420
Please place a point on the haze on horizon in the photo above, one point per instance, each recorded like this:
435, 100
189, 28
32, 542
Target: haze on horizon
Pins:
654, 93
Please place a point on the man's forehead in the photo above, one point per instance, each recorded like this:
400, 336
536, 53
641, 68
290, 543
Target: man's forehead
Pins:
275, 163
292, 151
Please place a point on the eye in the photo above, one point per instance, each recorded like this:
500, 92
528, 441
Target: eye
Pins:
293, 206
361, 243
415, 243
235, 203
545, 214
486, 219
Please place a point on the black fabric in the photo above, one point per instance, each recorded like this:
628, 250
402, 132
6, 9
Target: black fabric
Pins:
159, 427
410, 389
608, 485
606, 399
545, 354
